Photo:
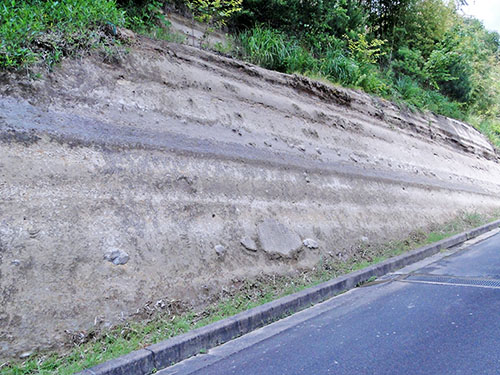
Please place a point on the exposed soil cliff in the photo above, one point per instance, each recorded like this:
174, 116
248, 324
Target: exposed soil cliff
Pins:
178, 171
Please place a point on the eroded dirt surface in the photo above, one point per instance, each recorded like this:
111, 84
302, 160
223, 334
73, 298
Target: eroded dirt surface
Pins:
175, 155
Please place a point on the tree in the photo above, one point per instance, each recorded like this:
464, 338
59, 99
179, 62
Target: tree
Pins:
215, 13
318, 23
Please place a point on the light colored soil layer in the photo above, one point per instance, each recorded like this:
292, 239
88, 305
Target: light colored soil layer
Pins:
174, 156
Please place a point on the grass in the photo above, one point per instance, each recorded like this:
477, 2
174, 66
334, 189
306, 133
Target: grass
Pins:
274, 50
409, 92
148, 19
42, 32
171, 318
266, 47
35, 31
490, 127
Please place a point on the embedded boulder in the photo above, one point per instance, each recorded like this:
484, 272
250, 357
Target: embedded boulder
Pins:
278, 240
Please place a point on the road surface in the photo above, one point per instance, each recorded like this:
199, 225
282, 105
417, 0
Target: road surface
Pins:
440, 318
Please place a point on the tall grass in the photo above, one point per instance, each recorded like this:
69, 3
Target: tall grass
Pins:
266, 47
272, 49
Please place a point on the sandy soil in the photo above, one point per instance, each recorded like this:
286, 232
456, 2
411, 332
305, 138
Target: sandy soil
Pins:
174, 155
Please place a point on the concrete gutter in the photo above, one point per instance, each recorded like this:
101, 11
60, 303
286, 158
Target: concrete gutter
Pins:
176, 349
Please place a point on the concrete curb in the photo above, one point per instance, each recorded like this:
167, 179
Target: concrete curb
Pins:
176, 349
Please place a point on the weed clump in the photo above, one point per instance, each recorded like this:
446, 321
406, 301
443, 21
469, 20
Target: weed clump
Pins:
39, 31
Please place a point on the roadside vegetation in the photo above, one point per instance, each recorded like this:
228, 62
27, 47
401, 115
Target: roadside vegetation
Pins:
424, 54
44, 31
167, 318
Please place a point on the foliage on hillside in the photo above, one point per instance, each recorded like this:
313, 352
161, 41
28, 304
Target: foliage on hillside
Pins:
424, 53
37, 30
41, 32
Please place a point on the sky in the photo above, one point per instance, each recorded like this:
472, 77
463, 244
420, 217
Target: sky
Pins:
487, 11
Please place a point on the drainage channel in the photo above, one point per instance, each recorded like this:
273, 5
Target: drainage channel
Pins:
453, 280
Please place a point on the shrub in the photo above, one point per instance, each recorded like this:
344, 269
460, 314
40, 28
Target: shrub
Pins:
313, 20
300, 60
36, 30
415, 96
146, 17
215, 13
373, 81
410, 63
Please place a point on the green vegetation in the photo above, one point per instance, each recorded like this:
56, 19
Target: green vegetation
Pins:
169, 318
147, 18
423, 53
36, 30
213, 13
41, 32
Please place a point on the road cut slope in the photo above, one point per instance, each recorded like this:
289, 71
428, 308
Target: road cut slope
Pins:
176, 172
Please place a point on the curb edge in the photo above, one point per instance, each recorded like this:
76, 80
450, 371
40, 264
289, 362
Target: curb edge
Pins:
163, 354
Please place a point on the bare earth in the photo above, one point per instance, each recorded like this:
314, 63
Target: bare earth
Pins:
167, 161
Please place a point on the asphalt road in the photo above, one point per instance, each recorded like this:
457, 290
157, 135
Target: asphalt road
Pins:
443, 318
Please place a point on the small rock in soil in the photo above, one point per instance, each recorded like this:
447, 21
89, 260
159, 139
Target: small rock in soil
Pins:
310, 243
249, 244
25, 355
220, 250
117, 256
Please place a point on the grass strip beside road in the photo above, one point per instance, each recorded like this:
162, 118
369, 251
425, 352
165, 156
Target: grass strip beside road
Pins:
166, 319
